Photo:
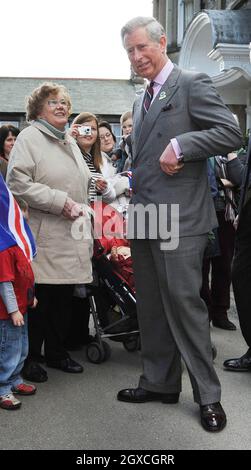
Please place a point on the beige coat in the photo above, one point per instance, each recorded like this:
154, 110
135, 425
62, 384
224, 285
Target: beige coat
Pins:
43, 170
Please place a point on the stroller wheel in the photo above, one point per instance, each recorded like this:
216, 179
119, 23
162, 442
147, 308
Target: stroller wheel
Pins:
97, 353
132, 343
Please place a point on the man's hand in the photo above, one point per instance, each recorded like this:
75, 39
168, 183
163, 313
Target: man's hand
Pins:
169, 162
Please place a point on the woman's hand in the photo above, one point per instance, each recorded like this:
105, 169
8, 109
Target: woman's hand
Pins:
73, 131
72, 210
101, 185
17, 318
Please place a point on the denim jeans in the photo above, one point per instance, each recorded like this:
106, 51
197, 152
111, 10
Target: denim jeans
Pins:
13, 351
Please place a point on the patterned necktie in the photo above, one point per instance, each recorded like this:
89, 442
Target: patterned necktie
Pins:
148, 96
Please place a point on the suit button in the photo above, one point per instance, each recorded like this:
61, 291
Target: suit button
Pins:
159, 134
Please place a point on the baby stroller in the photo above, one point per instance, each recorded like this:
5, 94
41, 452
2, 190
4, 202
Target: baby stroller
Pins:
112, 300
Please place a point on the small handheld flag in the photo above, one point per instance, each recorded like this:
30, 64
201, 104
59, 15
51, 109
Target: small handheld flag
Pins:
14, 230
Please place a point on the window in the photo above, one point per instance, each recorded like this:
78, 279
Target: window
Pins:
188, 12
116, 131
12, 123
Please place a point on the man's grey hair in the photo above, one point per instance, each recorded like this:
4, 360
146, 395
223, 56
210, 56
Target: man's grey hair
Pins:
153, 28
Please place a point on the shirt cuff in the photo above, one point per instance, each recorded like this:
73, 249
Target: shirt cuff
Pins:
177, 149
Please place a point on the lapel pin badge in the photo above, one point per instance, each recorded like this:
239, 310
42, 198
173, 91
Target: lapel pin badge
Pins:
162, 95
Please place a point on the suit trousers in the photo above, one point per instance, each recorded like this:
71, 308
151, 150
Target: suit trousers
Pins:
241, 272
173, 319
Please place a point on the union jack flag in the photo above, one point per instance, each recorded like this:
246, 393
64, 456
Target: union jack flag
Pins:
14, 230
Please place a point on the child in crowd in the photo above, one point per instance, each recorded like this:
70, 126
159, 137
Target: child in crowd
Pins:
109, 229
126, 143
17, 249
123, 155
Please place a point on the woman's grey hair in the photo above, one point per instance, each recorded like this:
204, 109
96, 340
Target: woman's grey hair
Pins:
35, 101
153, 28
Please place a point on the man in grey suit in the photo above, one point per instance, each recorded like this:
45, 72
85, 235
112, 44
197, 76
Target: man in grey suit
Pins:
178, 123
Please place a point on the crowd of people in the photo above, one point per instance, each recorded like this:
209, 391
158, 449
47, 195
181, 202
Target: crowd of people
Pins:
179, 130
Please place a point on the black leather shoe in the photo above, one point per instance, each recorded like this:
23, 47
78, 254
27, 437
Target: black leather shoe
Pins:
139, 395
213, 417
34, 372
224, 324
66, 365
239, 364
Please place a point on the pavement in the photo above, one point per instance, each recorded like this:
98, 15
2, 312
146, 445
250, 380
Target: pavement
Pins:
81, 412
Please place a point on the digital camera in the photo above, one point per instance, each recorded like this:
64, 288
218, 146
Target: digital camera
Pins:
85, 130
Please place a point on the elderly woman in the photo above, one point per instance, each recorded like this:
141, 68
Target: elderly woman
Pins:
47, 171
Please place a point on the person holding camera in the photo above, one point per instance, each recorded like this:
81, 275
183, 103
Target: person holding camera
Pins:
85, 130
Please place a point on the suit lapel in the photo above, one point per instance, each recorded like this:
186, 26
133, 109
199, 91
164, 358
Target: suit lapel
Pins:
162, 100
138, 117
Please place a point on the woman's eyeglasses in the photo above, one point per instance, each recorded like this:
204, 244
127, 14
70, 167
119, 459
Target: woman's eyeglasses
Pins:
55, 103
105, 136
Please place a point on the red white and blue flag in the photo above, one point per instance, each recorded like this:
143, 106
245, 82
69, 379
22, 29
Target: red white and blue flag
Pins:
14, 230
129, 174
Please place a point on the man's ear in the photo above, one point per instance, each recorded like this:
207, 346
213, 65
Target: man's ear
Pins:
163, 43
